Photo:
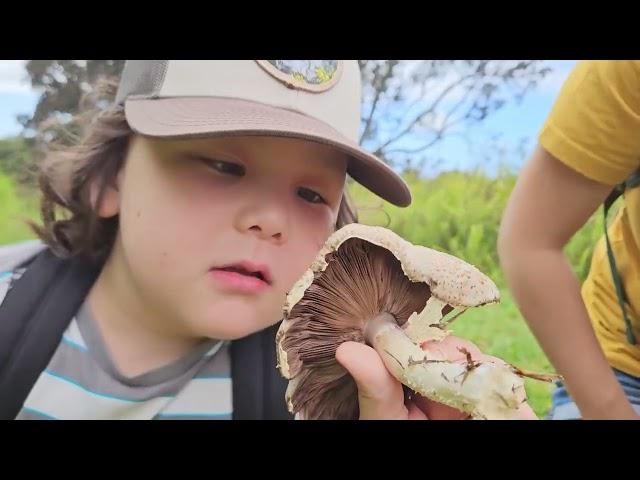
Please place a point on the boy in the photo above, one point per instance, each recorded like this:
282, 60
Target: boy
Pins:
195, 201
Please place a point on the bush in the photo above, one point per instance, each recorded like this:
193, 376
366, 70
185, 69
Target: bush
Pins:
459, 213
17, 159
17, 205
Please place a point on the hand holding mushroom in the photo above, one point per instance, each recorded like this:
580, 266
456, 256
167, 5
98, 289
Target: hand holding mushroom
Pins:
369, 286
382, 397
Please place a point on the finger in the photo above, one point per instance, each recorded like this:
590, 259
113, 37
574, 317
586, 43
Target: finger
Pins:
526, 412
438, 411
452, 348
414, 411
380, 395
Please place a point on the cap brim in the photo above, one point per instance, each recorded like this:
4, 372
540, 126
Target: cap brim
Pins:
194, 117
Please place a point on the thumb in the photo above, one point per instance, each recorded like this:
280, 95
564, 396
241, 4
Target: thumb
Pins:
380, 395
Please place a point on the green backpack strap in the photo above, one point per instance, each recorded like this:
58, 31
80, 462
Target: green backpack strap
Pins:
632, 182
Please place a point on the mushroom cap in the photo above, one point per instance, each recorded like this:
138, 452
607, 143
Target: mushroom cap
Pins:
449, 278
360, 272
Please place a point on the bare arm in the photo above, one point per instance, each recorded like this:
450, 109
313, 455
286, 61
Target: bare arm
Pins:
548, 205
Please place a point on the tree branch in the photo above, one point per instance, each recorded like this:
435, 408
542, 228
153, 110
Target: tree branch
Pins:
440, 133
385, 78
429, 110
436, 138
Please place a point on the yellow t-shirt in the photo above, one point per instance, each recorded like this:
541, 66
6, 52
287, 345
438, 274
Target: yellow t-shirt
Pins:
594, 128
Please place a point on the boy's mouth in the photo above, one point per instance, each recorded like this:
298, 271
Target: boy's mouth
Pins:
248, 269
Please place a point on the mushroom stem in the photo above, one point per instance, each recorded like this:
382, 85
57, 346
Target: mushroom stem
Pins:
471, 389
397, 350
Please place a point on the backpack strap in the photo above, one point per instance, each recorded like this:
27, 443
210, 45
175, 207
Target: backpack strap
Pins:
33, 317
258, 388
632, 182
275, 385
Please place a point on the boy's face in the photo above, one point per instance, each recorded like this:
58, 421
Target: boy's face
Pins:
198, 218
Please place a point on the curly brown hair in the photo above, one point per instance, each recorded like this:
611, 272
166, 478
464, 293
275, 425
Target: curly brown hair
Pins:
70, 224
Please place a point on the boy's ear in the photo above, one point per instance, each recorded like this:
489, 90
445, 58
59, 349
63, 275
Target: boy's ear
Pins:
109, 205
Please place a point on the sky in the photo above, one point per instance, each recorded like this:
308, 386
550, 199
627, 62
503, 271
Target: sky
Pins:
508, 126
495, 141
517, 121
16, 96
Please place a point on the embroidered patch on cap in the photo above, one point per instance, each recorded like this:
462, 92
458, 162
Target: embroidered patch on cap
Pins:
309, 75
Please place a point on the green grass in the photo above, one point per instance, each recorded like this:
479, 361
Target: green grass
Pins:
17, 205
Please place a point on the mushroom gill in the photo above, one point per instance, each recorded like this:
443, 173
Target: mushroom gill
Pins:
360, 281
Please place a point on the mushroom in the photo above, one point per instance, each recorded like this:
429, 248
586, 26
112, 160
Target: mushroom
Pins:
369, 285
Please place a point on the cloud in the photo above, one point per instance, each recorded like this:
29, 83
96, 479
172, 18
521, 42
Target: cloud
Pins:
13, 77
560, 70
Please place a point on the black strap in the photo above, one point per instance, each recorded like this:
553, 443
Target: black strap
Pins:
275, 385
258, 388
632, 182
247, 375
33, 317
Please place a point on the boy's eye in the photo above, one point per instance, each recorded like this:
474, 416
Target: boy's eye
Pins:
310, 196
227, 168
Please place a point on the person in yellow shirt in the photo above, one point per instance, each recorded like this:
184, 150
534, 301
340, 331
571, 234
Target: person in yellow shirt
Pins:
588, 150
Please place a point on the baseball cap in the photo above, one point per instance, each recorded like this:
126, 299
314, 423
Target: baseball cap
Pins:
314, 100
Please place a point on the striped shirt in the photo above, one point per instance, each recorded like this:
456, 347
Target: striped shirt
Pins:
82, 382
